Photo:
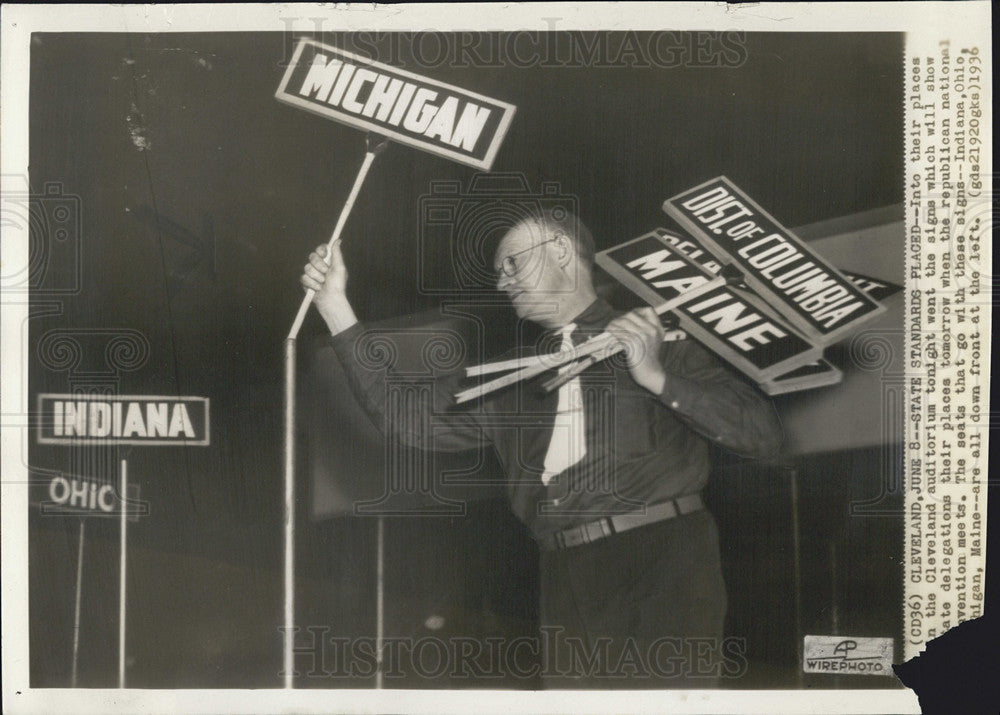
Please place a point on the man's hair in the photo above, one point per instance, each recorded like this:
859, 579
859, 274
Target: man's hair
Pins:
557, 218
553, 219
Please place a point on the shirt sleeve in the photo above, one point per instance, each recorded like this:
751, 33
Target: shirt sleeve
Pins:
717, 403
416, 418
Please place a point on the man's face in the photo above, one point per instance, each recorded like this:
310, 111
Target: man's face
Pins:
527, 265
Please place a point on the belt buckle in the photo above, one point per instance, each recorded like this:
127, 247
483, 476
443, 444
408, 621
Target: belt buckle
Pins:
594, 530
583, 534
574, 537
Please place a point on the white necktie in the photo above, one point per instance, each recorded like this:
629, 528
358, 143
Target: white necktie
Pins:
568, 444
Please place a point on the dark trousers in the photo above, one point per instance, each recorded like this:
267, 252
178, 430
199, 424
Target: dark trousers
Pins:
641, 609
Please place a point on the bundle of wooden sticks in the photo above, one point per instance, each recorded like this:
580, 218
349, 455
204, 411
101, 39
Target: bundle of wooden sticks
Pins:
600, 347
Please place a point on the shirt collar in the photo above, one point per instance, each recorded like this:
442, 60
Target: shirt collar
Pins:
591, 321
595, 316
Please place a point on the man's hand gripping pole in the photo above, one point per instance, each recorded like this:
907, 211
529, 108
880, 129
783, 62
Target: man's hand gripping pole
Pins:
374, 145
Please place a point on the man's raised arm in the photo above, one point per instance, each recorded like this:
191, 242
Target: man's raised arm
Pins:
420, 425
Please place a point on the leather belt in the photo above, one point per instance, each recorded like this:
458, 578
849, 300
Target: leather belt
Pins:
595, 530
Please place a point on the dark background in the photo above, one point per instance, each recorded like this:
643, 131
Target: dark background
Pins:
201, 196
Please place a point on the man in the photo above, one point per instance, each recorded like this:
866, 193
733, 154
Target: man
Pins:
606, 471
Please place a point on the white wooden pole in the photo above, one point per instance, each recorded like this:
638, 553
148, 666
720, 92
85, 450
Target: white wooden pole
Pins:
122, 561
380, 604
289, 461
76, 609
344, 213
289, 576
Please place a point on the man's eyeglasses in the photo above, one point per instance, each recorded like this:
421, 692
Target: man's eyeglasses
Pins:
509, 267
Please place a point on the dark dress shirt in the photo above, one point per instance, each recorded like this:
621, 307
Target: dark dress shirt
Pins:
642, 448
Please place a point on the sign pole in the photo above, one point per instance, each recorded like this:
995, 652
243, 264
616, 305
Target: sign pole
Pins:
289, 575
380, 603
121, 577
793, 483
372, 150
76, 611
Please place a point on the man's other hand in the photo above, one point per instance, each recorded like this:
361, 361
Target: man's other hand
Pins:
642, 334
